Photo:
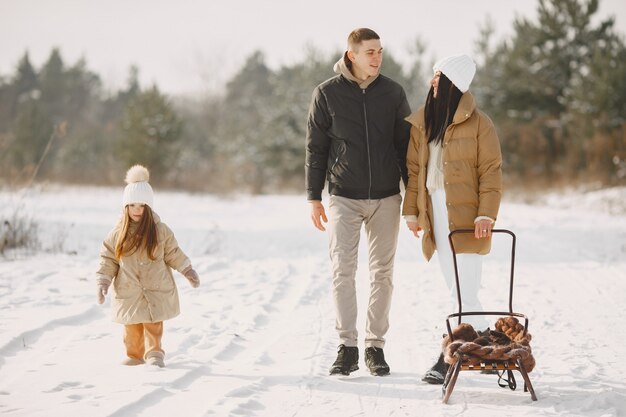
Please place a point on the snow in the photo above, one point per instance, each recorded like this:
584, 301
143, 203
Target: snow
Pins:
257, 337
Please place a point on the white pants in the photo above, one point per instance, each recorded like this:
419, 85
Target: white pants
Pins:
469, 266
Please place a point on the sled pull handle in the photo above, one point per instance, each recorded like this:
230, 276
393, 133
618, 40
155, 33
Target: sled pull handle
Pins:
456, 270
485, 313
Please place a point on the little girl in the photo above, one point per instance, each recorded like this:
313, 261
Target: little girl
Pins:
137, 257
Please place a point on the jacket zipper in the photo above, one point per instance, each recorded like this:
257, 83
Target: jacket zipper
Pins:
334, 163
367, 141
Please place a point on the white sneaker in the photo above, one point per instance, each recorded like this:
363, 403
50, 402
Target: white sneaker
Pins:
132, 362
156, 359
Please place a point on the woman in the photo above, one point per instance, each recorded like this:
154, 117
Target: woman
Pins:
455, 182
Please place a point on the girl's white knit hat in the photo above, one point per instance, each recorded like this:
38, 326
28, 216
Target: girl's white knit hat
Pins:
459, 69
138, 191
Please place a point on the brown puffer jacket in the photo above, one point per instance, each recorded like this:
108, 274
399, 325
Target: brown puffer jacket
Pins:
144, 290
472, 164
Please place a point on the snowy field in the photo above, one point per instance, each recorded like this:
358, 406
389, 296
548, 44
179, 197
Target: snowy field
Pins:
257, 338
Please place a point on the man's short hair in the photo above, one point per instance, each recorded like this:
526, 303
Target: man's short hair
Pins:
357, 36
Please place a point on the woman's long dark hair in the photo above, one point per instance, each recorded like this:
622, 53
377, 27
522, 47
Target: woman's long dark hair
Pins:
439, 112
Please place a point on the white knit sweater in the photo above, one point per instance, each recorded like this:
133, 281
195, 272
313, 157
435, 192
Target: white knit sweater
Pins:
434, 174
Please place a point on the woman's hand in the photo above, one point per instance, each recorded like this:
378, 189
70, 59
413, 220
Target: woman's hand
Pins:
482, 229
413, 227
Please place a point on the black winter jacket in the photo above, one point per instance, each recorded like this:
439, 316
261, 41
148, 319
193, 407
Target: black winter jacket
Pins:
357, 139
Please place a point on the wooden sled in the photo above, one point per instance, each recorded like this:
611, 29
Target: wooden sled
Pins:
467, 362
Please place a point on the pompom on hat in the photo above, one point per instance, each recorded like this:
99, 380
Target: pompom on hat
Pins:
460, 69
138, 190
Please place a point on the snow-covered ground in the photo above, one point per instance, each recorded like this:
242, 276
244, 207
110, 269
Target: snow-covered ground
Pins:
257, 337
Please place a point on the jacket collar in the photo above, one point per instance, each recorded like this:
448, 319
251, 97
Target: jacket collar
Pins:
341, 67
467, 106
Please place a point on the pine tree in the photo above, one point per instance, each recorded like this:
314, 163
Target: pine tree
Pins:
32, 132
150, 131
53, 83
548, 87
248, 109
26, 80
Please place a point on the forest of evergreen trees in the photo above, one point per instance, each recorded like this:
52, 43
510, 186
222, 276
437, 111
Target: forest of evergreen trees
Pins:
556, 90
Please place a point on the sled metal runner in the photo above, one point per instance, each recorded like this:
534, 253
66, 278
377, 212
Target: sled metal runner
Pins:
463, 363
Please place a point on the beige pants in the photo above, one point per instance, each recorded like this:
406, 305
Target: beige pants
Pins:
143, 338
345, 219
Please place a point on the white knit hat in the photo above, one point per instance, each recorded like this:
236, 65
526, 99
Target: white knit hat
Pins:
459, 69
138, 190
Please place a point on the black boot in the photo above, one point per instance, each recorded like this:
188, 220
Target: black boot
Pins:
375, 361
347, 360
437, 373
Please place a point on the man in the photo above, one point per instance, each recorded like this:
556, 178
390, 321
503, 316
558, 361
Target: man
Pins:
357, 138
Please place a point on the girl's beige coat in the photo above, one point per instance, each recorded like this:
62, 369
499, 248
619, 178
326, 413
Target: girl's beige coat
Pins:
144, 290
472, 172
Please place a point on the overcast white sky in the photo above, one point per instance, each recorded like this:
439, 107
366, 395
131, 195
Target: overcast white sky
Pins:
190, 46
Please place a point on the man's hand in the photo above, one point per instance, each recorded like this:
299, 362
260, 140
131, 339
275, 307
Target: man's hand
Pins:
318, 214
413, 227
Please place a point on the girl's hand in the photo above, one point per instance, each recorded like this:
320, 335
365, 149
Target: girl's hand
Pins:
103, 289
414, 227
192, 277
482, 229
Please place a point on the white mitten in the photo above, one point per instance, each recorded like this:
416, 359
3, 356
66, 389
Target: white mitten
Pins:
192, 277
103, 288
